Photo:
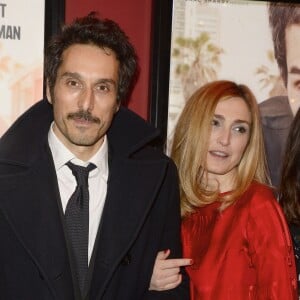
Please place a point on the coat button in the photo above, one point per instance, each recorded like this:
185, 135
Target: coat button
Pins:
126, 260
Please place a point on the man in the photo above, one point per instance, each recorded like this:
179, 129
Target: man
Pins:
85, 202
278, 112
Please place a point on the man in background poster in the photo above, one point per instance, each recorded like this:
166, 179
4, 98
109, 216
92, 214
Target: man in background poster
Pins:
278, 112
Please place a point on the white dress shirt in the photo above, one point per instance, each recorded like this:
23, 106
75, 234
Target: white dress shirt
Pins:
67, 182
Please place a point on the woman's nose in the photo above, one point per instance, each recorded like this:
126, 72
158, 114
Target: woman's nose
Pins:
224, 137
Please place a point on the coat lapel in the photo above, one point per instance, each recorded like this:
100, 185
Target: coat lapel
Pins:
32, 211
129, 198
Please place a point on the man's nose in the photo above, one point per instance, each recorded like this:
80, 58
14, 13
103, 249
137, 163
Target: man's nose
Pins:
87, 100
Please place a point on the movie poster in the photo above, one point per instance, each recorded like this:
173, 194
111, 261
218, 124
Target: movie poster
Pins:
21, 57
214, 40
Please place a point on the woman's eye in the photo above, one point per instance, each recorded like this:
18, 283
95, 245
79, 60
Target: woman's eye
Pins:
240, 129
215, 122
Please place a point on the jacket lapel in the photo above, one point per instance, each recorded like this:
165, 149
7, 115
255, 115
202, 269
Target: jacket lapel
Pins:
129, 198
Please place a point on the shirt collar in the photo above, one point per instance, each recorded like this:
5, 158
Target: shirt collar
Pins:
61, 154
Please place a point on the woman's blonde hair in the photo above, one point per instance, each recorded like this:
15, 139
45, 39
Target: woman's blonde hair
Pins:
190, 145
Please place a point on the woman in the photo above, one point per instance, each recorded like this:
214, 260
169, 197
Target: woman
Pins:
233, 228
289, 192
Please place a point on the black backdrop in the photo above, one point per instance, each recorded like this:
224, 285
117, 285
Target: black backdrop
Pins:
54, 18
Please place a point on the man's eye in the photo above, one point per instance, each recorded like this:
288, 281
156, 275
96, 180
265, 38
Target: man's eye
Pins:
72, 83
103, 88
297, 84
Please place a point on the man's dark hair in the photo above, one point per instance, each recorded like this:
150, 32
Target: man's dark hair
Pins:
281, 15
289, 192
95, 31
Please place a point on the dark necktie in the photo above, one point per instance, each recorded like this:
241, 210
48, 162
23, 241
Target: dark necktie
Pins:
77, 220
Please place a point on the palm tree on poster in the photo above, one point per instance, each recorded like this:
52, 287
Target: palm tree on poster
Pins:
269, 79
198, 60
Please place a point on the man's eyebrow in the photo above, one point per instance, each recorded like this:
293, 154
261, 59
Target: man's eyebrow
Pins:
71, 74
107, 80
294, 70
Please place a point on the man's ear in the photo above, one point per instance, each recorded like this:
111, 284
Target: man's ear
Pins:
48, 94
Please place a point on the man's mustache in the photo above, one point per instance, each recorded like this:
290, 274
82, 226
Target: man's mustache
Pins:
87, 116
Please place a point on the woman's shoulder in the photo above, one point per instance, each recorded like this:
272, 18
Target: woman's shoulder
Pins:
261, 201
262, 193
256, 186
260, 198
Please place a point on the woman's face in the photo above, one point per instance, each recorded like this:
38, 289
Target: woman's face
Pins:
230, 134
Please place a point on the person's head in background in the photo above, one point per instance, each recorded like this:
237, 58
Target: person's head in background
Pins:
284, 20
218, 144
289, 192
